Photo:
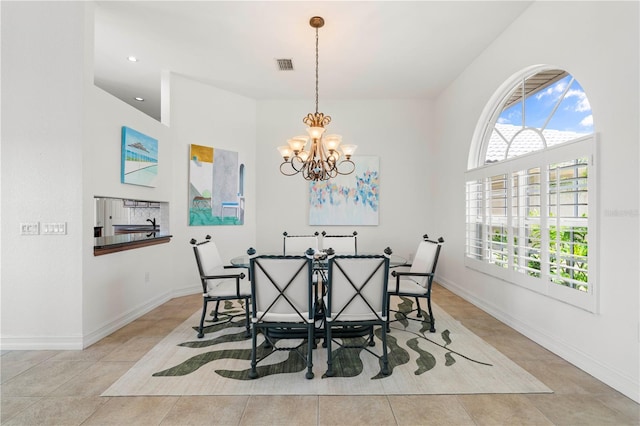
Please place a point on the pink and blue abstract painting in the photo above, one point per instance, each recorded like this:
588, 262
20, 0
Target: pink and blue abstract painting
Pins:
347, 199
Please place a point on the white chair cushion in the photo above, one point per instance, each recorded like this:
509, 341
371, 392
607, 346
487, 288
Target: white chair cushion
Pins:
227, 287
297, 246
340, 245
267, 296
423, 261
407, 285
343, 308
353, 317
210, 258
275, 317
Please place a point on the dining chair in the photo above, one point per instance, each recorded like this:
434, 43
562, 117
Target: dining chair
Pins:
299, 244
219, 283
282, 306
356, 297
341, 244
417, 281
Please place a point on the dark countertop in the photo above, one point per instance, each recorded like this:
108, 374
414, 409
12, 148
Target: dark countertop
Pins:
128, 239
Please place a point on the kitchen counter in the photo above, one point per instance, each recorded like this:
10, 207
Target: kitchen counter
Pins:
121, 242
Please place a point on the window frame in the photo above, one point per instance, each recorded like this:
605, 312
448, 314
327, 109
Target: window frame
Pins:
478, 173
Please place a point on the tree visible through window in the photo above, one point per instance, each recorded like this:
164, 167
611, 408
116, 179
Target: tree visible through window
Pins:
527, 200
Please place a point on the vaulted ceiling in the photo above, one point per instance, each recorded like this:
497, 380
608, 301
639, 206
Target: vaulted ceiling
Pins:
367, 49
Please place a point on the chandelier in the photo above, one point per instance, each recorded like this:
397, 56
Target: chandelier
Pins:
324, 158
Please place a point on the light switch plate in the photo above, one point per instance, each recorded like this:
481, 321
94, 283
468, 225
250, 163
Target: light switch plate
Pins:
57, 228
29, 228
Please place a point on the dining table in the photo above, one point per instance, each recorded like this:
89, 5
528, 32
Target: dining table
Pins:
320, 260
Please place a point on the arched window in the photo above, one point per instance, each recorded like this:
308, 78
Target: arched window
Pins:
530, 189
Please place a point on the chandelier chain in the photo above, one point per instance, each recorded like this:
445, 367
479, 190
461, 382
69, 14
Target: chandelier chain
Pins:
322, 160
317, 38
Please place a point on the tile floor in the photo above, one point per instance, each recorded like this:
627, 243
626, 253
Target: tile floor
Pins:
64, 387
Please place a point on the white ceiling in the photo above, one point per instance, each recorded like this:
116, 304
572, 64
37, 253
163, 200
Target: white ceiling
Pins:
368, 49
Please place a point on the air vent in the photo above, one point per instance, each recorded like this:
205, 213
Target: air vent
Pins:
285, 64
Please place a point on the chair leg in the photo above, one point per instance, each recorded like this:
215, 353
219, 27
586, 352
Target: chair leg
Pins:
385, 358
432, 321
246, 318
204, 313
329, 372
419, 310
325, 328
215, 312
387, 326
311, 344
254, 339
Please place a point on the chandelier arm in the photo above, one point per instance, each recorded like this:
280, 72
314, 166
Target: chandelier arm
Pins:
297, 160
286, 173
352, 166
327, 164
310, 171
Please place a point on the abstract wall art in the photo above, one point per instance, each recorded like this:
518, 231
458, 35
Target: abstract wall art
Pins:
216, 194
347, 200
139, 163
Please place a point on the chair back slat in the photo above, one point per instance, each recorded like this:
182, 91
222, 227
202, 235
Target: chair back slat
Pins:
425, 260
341, 244
357, 288
297, 245
281, 288
208, 260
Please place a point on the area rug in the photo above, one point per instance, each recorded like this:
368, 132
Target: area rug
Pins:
451, 361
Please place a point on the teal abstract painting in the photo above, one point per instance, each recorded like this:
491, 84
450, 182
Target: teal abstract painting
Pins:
216, 187
139, 158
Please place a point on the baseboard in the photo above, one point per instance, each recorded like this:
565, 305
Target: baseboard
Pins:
41, 343
124, 319
186, 291
136, 313
571, 354
79, 342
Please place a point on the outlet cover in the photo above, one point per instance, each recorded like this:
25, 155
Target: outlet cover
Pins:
30, 228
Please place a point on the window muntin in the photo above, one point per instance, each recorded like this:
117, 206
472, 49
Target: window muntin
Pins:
550, 114
528, 218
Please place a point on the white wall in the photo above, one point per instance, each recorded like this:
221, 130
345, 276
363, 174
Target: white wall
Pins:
115, 286
597, 42
397, 131
116, 290
43, 78
204, 115
61, 147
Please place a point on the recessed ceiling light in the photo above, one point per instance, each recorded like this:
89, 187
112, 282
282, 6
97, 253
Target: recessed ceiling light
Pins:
139, 99
132, 59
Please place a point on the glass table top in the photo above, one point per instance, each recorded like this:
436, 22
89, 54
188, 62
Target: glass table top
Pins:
321, 259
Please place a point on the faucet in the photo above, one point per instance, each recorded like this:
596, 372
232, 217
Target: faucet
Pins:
153, 222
